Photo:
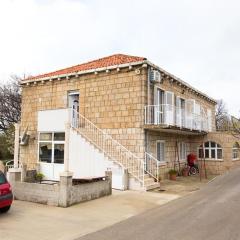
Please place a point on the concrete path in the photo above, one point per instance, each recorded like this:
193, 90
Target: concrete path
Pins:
212, 213
29, 221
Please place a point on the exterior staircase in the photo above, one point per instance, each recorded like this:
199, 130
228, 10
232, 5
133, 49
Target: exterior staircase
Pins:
140, 176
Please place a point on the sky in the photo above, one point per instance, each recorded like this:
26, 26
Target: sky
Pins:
198, 41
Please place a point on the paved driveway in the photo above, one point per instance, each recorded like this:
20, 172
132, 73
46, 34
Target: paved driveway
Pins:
212, 213
29, 221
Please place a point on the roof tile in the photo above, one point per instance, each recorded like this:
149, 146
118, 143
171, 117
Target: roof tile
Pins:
112, 60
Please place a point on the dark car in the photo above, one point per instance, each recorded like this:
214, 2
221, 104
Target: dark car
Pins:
6, 196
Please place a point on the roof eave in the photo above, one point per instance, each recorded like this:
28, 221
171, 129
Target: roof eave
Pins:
83, 72
181, 81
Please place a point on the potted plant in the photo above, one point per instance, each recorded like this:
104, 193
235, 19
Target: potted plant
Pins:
172, 174
185, 171
39, 177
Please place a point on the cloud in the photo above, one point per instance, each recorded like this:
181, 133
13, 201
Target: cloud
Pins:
196, 40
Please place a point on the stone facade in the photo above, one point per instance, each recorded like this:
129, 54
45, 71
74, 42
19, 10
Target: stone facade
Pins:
62, 194
171, 141
227, 141
115, 102
180, 91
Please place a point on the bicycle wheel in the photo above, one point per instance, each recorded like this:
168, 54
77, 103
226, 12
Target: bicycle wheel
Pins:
193, 171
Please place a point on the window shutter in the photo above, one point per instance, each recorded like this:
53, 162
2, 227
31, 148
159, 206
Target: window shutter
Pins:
197, 117
178, 112
209, 115
169, 108
190, 105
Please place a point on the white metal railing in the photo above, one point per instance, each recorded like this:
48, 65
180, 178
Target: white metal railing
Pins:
10, 164
112, 148
152, 166
171, 115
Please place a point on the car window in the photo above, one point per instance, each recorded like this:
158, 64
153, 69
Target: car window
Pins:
2, 178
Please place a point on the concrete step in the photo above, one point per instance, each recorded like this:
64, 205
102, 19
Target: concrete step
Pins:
149, 181
152, 186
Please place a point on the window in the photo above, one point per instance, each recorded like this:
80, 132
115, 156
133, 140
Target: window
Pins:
161, 151
51, 147
235, 151
212, 151
182, 151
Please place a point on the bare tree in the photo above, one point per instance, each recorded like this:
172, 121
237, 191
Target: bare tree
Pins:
236, 127
10, 103
223, 120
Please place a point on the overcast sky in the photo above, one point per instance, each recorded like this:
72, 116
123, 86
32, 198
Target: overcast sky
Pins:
198, 41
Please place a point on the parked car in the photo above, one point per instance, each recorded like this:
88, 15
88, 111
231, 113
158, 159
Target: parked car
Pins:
6, 196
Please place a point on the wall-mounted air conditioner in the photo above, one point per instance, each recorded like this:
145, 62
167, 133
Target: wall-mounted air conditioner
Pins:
155, 76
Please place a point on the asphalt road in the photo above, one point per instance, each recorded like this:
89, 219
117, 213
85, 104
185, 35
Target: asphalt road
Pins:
212, 213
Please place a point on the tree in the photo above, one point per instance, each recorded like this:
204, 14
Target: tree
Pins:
236, 127
10, 103
223, 120
6, 144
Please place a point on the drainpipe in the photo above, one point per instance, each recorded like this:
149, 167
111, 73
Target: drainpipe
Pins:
16, 145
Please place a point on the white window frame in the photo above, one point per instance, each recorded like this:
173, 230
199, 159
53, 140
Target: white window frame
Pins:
210, 151
53, 142
164, 151
159, 107
182, 151
209, 119
235, 150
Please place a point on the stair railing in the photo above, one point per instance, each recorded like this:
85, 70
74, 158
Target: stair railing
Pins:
152, 166
112, 148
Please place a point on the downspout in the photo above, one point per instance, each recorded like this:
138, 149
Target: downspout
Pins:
148, 103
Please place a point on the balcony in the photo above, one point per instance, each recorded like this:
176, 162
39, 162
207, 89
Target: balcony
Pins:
167, 116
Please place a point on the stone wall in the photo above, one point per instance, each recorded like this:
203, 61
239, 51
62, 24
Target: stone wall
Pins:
35, 192
113, 101
89, 191
171, 157
62, 194
226, 140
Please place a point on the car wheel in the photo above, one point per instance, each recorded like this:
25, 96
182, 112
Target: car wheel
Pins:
5, 209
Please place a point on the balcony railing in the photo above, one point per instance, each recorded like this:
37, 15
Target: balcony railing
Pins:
171, 115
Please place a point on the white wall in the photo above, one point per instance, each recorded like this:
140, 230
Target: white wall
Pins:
87, 161
52, 120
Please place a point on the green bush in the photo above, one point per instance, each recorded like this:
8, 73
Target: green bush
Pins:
39, 177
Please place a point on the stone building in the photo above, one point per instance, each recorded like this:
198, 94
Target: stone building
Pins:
122, 113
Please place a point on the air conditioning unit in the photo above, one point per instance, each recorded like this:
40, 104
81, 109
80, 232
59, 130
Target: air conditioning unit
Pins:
155, 76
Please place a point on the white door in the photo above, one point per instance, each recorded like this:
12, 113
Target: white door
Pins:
160, 152
178, 112
189, 113
159, 107
169, 108
183, 113
209, 116
197, 117
73, 104
51, 154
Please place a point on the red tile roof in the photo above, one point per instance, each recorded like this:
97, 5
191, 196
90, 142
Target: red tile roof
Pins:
112, 60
